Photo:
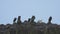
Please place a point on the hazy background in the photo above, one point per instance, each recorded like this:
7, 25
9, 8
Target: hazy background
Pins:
42, 9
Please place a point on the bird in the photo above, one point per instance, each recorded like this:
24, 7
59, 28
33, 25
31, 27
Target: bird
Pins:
50, 18
14, 19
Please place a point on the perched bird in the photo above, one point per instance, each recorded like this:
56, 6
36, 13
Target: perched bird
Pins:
50, 18
14, 19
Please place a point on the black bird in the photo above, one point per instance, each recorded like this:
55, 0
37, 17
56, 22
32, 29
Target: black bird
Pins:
50, 18
14, 19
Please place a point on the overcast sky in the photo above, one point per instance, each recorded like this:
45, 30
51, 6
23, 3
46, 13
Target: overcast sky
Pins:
42, 9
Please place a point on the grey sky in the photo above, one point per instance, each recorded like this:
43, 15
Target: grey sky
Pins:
42, 9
